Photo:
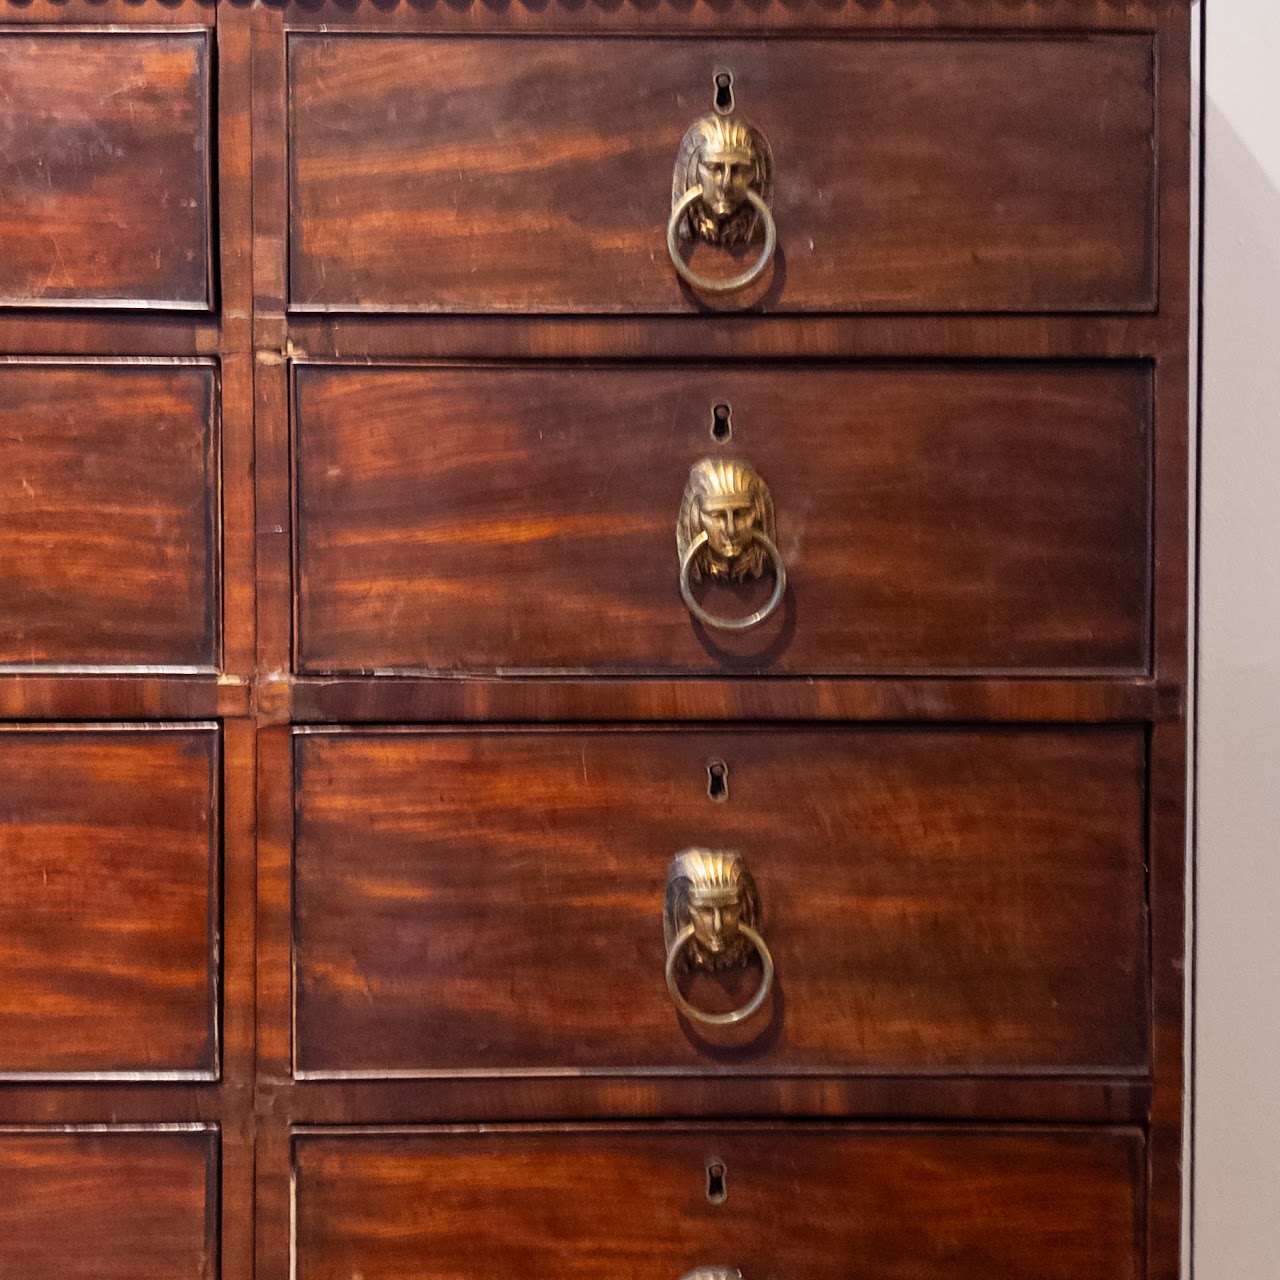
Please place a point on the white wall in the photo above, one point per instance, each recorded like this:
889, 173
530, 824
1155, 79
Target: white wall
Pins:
1237, 1096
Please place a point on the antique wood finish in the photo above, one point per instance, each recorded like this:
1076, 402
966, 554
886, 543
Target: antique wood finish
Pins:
109, 892
967, 1204
890, 17
934, 900
127, 593
104, 168
109, 1202
108, 514
570, 700
934, 517
1017, 167
490, 175
297, 334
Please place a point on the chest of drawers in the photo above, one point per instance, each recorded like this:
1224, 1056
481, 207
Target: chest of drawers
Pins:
517, 757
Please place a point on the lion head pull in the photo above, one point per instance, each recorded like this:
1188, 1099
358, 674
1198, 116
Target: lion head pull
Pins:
725, 533
721, 194
710, 921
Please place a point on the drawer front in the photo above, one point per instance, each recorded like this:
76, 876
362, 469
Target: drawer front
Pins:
111, 1203
109, 874
108, 515
933, 900
522, 174
929, 518
104, 169
918, 1204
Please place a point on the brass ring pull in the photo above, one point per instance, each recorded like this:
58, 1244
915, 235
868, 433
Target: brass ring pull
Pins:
709, 918
732, 283
736, 1015
733, 624
725, 532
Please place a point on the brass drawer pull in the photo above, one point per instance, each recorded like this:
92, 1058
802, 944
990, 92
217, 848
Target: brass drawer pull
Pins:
726, 533
713, 1273
720, 194
709, 916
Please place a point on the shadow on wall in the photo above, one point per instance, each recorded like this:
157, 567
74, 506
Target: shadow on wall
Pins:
1237, 1170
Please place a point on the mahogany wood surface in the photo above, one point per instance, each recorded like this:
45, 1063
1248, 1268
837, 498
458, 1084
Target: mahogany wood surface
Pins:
935, 517
109, 1203
393, 338
946, 1098
124, 195
104, 168
585, 700
493, 174
816, 1204
109, 900
108, 514
667, 16
1039, 206
934, 900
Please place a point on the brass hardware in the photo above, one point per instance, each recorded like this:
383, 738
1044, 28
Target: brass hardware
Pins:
713, 1273
720, 193
726, 533
709, 921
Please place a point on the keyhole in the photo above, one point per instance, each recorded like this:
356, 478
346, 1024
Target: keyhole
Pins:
718, 780
716, 1192
721, 422
724, 92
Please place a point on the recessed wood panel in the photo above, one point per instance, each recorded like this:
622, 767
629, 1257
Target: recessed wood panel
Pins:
109, 1204
108, 901
924, 1204
108, 515
942, 899
509, 174
104, 169
931, 518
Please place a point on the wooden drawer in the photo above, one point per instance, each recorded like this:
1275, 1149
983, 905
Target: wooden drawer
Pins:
930, 517
109, 874
108, 514
104, 169
805, 1204
934, 900
522, 174
109, 1203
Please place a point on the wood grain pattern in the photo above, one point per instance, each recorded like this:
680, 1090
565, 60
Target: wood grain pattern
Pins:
234, 105
109, 1204
438, 700
115, 696
934, 899
390, 337
108, 900
930, 517
108, 514
1045, 170
128, 13
965, 1204
1168, 898
492, 174
665, 17
960, 1097
104, 169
